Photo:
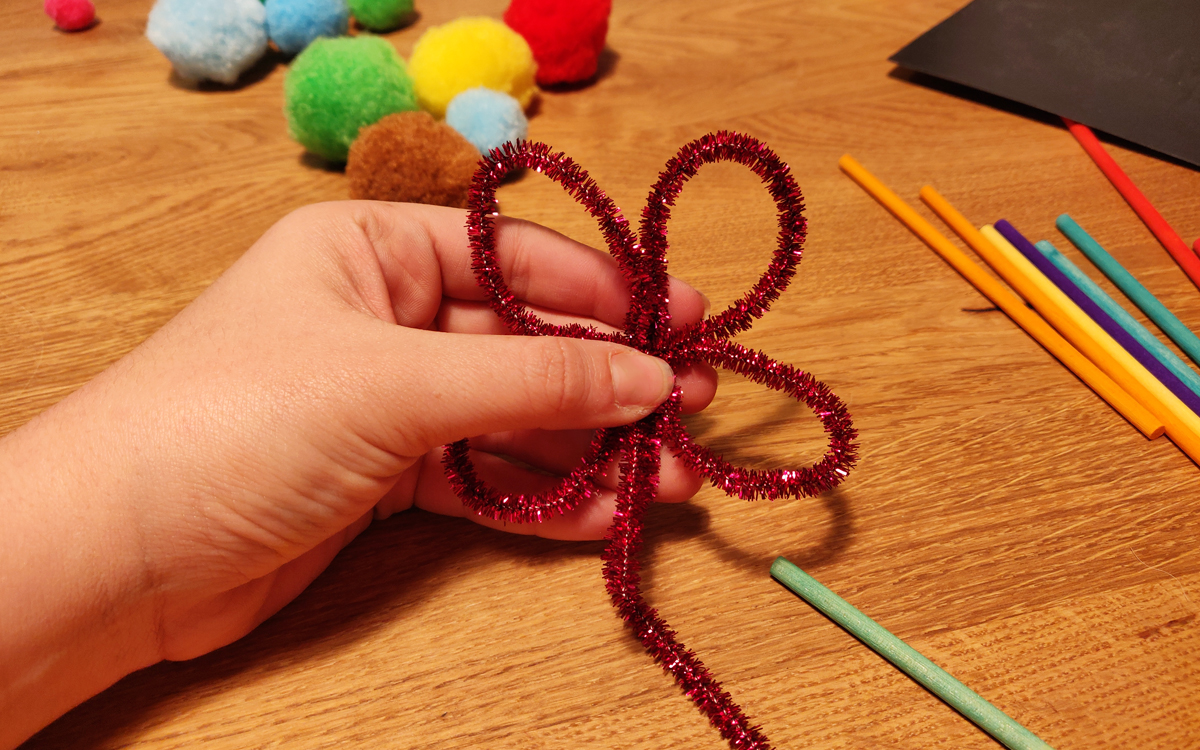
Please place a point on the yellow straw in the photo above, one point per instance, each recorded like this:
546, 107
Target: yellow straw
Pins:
1084, 369
1188, 421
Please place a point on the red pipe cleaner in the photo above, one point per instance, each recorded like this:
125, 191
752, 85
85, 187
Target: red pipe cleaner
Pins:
642, 260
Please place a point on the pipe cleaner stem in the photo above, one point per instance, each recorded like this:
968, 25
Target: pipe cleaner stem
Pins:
639, 484
907, 659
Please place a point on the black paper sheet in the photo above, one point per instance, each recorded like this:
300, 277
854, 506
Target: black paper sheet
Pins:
1130, 68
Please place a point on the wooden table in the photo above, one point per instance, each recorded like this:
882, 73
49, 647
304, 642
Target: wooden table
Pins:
1003, 520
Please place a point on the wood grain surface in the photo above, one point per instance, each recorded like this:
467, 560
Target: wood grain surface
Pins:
1003, 520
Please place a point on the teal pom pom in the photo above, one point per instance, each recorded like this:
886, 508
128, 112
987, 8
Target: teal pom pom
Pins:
293, 24
487, 118
213, 40
337, 86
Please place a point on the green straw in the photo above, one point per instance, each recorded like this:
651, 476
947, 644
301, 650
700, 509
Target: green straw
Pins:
1124, 319
935, 679
1133, 289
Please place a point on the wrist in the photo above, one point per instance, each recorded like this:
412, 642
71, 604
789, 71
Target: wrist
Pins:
77, 610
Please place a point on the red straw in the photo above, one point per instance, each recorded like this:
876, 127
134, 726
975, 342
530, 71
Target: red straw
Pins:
1170, 239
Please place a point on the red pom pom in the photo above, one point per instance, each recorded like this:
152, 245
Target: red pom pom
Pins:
71, 15
566, 36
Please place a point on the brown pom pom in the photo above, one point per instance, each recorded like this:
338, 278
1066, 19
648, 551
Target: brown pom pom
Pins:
411, 158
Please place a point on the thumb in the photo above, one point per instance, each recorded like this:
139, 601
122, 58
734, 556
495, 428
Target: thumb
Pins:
460, 385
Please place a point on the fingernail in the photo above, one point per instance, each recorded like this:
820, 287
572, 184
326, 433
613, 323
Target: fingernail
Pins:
707, 304
640, 380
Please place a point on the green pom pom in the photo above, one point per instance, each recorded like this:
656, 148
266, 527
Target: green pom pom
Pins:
337, 86
381, 15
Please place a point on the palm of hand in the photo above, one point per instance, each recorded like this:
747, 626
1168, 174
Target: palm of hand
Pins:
309, 389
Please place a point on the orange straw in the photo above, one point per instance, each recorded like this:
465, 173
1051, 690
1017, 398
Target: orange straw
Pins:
1103, 385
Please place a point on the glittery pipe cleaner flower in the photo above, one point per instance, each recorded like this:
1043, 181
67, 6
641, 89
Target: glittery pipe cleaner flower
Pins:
642, 259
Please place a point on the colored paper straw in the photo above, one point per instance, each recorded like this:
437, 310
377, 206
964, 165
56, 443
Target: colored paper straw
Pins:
907, 659
1133, 289
1165, 356
1101, 347
1167, 236
1102, 319
1048, 308
1084, 369
1181, 425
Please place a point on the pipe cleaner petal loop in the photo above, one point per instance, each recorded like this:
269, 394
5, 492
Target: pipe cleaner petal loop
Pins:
755, 155
756, 484
574, 488
643, 264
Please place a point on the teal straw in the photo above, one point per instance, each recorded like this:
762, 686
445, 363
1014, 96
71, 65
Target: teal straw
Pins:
1133, 289
935, 679
1124, 319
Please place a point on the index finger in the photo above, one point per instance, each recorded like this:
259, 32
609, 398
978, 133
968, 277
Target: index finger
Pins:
540, 266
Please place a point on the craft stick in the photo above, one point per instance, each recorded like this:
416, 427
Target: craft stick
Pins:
907, 659
1111, 308
1145, 210
1093, 311
1133, 289
1182, 426
1102, 384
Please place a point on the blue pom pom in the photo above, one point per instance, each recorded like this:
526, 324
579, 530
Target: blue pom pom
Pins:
214, 39
487, 118
292, 24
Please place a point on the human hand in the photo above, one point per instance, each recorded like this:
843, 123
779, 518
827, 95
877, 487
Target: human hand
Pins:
198, 485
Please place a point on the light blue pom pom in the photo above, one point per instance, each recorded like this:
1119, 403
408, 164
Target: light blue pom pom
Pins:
209, 39
487, 118
292, 24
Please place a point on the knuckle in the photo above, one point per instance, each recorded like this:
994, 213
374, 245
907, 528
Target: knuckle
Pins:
518, 259
565, 375
309, 217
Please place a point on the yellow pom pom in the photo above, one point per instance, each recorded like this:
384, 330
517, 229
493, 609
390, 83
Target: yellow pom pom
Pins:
470, 52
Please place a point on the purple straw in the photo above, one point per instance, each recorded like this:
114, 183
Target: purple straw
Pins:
1103, 319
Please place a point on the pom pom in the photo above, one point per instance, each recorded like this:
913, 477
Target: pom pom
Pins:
337, 86
215, 40
293, 24
410, 157
71, 15
566, 36
470, 52
381, 15
486, 118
